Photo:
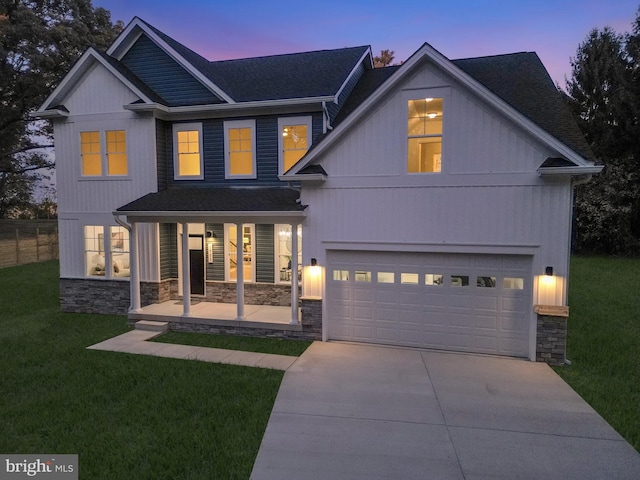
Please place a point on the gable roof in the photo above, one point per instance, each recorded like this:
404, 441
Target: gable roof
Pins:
517, 85
521, 80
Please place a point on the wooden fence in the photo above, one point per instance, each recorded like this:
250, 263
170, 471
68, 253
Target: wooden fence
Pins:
27, 241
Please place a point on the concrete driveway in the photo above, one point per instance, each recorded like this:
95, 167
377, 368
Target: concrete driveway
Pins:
348, 411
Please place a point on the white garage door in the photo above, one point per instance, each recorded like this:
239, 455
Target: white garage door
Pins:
461, 302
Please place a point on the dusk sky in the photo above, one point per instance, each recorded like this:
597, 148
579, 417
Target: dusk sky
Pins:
220, 30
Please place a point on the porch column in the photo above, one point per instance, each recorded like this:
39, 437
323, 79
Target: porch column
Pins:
294, 274
186, 272
240, 270
134, 265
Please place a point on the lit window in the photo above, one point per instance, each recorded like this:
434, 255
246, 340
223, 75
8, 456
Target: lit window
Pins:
513, 283
361, 276
284, 245
240, 157
94, 250
116, 152
294, 141
120, 251
410, 278
425, 135
433, 279
341, 275
386, 277
90, 152
187, 150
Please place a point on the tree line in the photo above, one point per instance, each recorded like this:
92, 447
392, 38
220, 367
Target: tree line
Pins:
41, 39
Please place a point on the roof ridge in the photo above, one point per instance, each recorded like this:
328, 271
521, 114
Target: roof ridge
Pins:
290, 54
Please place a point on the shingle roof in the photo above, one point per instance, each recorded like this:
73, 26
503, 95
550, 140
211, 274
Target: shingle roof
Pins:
521, 80
297, 75
226, 199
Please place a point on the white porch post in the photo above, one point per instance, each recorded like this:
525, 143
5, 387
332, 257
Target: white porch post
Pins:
135, 269
240, 270
294, 274
186, 272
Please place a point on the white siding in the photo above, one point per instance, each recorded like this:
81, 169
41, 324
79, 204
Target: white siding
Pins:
96, 104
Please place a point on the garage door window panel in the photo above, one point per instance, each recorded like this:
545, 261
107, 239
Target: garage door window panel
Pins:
459, 280
433, 279
513, 283
362, 276
486, 282
410, 278
341, 275
386, 277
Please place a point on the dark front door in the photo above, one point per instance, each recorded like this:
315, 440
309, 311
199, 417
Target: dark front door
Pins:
196, 264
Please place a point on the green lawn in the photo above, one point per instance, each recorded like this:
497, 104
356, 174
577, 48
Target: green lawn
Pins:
126, 416
604, 340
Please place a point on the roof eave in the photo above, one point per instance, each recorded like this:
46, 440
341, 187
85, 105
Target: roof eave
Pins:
199, 216
50, 114
570, 171
304, 177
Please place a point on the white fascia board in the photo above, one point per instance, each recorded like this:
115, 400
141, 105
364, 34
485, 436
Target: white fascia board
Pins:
570, 171
303, 177
51, 113
127, 39
77, 72
211, 216
355, 67
224, 107
427, 51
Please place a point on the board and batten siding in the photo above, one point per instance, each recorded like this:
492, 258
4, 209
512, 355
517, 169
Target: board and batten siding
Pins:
165, 76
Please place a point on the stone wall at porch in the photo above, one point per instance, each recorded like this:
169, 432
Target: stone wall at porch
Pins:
551, 341
83, 295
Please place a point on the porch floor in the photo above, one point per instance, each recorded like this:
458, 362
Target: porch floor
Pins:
262, 316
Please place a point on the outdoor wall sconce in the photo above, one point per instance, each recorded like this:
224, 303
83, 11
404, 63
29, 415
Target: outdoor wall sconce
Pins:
314, 262
210, 235
548, 271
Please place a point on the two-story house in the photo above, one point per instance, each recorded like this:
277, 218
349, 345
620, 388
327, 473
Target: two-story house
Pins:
423, 205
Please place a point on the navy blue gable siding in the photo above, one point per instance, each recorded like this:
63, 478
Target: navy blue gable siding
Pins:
165, 76
213, 151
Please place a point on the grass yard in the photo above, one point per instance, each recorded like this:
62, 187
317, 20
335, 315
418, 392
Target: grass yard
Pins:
126, 416
604, 340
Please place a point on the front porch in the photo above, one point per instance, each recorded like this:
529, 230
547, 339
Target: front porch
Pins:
222, 318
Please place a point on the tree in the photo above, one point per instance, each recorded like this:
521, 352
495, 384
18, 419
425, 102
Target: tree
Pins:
384, 59
39, 41
605, 97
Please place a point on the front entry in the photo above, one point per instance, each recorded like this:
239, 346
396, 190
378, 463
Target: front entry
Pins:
196, 264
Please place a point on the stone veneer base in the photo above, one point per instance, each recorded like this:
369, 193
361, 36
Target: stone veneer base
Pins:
551, 341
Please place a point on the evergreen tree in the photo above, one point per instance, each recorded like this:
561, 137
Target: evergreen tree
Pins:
603, 93
39, 41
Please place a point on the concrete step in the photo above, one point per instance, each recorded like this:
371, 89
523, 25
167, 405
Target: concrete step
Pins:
152, 326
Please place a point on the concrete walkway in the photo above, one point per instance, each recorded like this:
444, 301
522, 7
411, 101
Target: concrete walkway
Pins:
136, 342
349, 411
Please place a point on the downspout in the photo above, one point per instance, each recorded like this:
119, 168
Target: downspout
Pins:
326, 119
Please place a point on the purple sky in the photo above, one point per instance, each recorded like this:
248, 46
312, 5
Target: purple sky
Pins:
220, 30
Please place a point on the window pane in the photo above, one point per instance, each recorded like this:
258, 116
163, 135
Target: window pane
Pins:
94, 250
459, 281
341, 275
410, 278
361, 276
285, 245
511, 283
90, 153
240, 151
116, 152
386, 277
294, 141
188, 153
486, 282
120, 251
425, 155
189, 164
433, 279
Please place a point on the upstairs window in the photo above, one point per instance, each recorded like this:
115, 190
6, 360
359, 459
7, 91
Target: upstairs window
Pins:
294, 141
92, 146
425, 135
90, 153
240, 149
187, 151
116, 152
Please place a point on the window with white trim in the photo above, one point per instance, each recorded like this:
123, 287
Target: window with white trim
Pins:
187, 151
106, 256
294, 140
240, 149
114, 162
283, 254
424, 127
